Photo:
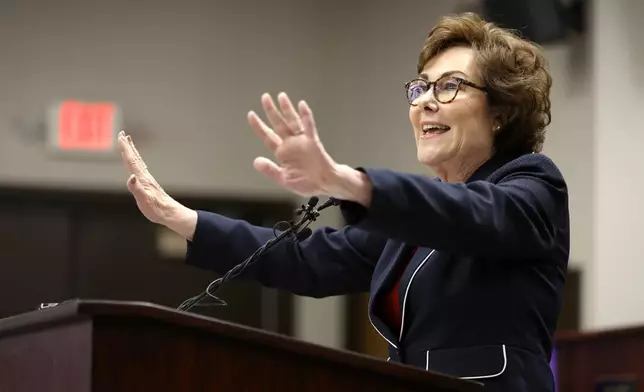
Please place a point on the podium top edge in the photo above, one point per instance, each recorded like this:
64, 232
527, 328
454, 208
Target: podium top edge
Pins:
77, 310
565, 337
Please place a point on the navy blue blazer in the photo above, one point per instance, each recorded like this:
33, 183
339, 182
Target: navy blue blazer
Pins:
480, 298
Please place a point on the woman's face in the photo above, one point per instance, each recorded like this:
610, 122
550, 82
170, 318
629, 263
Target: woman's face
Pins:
452, 135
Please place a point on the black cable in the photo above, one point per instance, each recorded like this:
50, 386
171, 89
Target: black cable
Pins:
294, 231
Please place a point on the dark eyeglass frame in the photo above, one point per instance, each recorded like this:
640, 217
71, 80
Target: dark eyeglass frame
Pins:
432, 86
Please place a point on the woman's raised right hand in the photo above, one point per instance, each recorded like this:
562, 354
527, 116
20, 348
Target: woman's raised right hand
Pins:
153, 202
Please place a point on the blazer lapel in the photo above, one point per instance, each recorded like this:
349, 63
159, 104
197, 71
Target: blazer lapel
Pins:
386, 280
420, 259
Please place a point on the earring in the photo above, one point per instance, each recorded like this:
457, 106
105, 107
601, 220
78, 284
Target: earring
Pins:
496, 128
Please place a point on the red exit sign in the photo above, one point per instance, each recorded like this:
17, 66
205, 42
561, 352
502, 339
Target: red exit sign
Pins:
84, 126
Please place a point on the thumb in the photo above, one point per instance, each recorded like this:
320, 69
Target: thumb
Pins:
269, 169
134, 186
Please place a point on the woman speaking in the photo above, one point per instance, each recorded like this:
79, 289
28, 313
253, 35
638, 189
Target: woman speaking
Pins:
466, 270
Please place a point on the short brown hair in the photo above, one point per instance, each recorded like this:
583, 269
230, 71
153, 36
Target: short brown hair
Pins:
512, 69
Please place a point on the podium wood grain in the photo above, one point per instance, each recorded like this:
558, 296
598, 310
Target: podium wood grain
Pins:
588, 360
89, 345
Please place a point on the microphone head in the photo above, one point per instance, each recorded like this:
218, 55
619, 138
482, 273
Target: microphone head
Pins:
304, 234
313, 201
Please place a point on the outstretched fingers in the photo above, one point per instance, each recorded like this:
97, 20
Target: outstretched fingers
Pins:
268, 136
291, 116
139, 174
130, 156
276, 118
140, 161
308, 121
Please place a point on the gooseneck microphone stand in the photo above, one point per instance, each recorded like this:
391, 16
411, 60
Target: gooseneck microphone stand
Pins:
289, 231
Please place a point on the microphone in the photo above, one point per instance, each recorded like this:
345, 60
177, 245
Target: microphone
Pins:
294, 231
330, 202
313, 201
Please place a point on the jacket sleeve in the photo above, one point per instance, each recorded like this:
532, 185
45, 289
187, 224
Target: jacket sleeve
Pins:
329, 262
518, 216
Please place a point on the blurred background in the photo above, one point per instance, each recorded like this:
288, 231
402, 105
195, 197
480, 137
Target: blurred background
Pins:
180, 76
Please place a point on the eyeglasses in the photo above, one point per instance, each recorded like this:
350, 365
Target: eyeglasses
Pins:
445, 88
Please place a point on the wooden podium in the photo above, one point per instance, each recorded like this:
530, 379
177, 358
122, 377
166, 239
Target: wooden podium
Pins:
87, 345
611, 360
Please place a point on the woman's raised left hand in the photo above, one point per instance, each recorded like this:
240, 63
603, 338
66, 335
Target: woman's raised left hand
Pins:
301, 164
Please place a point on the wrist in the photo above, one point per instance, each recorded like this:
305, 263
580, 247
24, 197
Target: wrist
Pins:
181, 219
351, 185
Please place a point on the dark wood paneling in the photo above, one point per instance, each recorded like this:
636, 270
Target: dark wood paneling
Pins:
69, 244
34, 256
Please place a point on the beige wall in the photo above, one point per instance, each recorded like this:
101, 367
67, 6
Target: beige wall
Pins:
184, 72
187, 72
617, 267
